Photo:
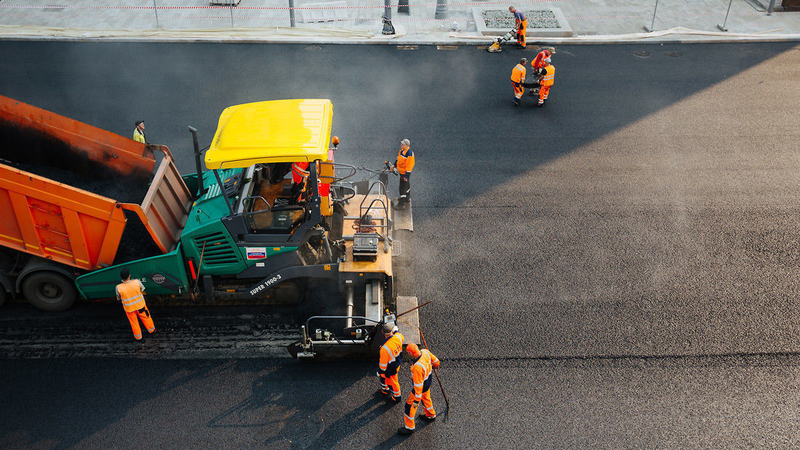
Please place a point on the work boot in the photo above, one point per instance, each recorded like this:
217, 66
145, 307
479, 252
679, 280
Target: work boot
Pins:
426, 417
404, 431
516, 102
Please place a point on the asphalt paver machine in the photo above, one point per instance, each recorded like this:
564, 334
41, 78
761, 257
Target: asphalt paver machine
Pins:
250, 236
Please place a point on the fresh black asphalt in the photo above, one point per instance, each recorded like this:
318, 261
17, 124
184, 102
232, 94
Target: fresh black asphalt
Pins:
617, 269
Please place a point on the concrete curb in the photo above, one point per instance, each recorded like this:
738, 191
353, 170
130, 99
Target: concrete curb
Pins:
273, 36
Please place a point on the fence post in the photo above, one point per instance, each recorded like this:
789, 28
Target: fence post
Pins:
155, 8
649, 30
387, 9
292, 22
725, 22
771, 7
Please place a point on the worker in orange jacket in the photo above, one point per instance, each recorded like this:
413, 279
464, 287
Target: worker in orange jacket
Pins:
546, 78
518, 79
390, 360
421, 371
131, 294
521, 24
403, 166
299, 176
538, 62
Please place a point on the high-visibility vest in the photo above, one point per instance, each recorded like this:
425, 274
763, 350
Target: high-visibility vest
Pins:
538, 62
130, 293
391, 353
421, 371
138, 136
518, 74
299, 171
547, 79
405, 161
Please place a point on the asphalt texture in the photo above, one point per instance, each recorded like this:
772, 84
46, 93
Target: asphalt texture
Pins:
617, 269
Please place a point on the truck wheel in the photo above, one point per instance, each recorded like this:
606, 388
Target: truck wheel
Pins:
49, 291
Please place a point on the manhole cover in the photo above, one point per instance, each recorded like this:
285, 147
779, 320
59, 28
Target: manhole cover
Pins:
302, 429
673, 54
641, 54
313, 48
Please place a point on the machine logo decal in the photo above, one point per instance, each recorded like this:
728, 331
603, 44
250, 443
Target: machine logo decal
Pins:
158, 278
256, 252
265, 285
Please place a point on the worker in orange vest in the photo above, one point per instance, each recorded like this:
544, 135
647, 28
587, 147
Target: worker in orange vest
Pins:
421, 370
390, 360
131, 294
518, 78
299, 176
547, 75
538, 62
521, 24
403, 166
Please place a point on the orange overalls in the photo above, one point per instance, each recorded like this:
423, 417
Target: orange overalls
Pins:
421, 372
518, 77
405, 164
391, 357
538, 62
546, 82
132, 298
521, 23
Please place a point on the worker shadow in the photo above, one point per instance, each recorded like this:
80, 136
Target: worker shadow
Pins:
398, 439
285, 405
356, 419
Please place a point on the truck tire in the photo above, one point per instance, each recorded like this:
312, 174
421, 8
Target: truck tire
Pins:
49, 291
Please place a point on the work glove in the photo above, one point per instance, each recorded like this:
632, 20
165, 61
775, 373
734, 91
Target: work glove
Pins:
436, 365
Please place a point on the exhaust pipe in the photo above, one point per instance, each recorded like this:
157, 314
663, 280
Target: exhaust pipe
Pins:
196, 143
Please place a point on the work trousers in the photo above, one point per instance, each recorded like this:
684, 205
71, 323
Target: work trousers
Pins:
405, 187
519, 89
147, 320
521, 33
543, 91
413, 402
390, 385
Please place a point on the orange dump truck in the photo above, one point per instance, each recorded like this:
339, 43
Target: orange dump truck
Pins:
52, 231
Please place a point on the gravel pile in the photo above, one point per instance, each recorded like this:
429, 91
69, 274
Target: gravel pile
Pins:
500, 18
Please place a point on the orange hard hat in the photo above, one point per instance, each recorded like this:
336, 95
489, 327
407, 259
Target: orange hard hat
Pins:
413, 350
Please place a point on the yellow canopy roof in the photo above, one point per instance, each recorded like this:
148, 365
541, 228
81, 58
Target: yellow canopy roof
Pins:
271, 132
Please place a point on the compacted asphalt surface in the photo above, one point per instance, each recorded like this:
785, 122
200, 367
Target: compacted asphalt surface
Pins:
616, 270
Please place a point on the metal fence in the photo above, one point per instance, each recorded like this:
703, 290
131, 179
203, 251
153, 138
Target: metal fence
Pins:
585, 17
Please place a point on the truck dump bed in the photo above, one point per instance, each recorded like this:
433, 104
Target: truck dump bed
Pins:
64, 223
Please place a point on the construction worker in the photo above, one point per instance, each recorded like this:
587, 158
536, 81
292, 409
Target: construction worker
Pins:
421, 370
521, 24
131, 294
538, 62
518, 78
391, 358
138, 132
299, 176
546, 77
403, 166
